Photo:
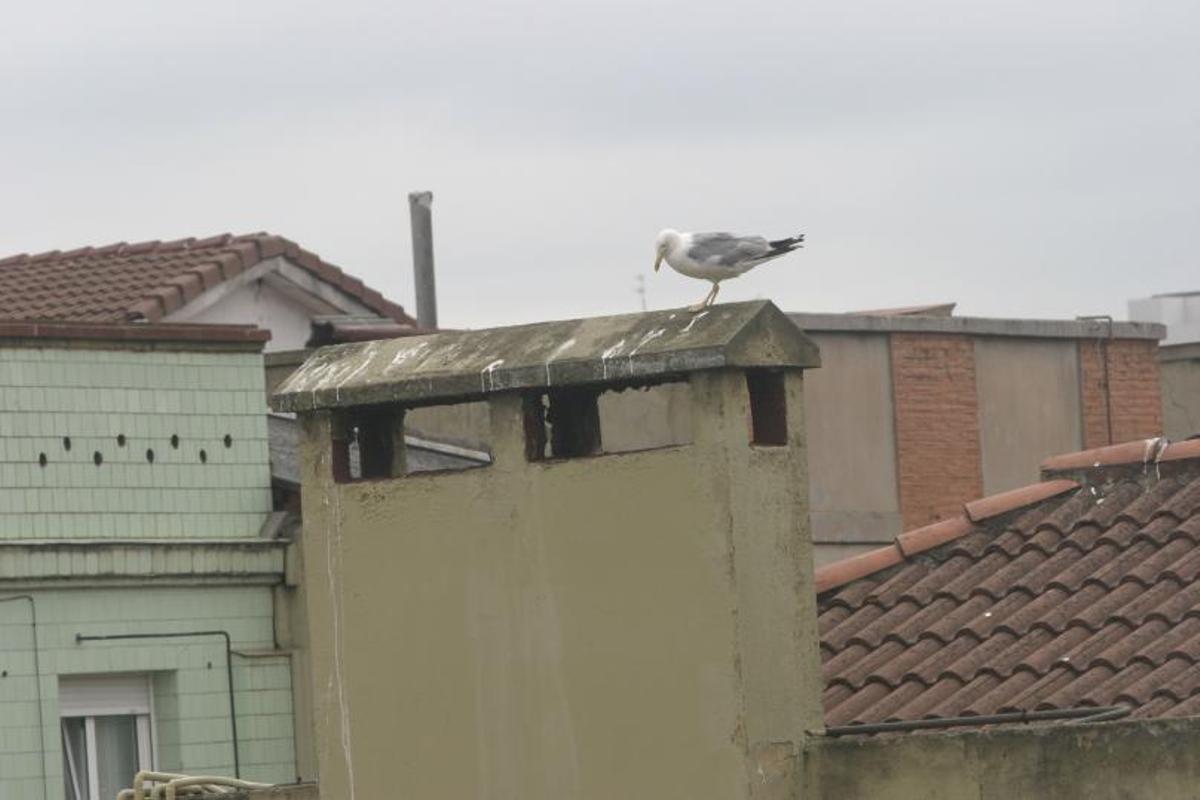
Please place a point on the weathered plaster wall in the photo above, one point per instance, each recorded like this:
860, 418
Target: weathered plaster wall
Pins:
591, 628
637, 419
1029, 407
467, 423
852, 443
1181, 392
1106, 761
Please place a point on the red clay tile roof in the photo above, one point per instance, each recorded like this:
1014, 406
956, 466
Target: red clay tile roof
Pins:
148, 280
1065, 595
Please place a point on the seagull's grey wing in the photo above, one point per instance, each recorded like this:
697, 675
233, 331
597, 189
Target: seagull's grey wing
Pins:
726, 249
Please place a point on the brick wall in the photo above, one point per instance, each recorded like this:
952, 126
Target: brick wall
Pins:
937, 425
1135, 386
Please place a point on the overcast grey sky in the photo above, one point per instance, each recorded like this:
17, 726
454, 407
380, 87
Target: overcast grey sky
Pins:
1023, 158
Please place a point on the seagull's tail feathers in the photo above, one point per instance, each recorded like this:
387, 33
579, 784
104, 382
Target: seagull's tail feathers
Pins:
781, 246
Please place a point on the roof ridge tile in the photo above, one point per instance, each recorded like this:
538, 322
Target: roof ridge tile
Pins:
175, 245
108, 249
997, 504
1153, 450
842, 572
927, 537
220, 240
141, 247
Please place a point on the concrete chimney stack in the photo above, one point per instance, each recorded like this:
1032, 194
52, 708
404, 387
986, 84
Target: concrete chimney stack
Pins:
564, 622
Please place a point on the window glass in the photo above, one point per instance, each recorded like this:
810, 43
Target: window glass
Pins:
75, 758
116, 753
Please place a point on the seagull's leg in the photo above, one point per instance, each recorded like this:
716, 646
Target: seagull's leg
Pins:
712, 296
707, 301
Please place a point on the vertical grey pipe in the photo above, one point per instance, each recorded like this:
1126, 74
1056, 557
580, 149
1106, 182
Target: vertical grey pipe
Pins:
422, 244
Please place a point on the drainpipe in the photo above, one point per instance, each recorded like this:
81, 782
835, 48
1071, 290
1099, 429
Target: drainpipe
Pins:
37, 675
422, 246
1103, 345
237, 768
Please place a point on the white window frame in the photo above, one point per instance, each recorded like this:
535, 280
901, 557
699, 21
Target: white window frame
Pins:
109, 695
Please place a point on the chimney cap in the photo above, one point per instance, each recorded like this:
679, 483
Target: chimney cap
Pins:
455, 366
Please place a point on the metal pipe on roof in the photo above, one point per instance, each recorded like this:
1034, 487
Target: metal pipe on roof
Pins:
1082, 715
237, 766
421, 216
1103, 346
37, 676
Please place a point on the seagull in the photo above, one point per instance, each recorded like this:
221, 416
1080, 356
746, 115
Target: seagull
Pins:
717, 256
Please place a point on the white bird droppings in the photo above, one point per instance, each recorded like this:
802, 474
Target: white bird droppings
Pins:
646, 339
609, 353
487, 378
406, 354
693, 321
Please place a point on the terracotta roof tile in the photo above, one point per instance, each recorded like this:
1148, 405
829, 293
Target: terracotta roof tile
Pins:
147, 280
858, 566
930, 536
997, 504
1052, 596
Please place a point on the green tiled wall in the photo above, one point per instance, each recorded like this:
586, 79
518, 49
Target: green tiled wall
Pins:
94, 396
191, 704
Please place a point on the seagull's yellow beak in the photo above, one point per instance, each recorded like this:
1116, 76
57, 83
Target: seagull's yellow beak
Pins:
658, 260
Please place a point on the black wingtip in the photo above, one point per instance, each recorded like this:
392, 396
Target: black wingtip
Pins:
788, 244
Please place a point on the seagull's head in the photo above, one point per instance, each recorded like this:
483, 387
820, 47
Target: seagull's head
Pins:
666, 240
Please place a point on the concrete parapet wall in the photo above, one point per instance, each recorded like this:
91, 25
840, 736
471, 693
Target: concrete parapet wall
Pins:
1118, 760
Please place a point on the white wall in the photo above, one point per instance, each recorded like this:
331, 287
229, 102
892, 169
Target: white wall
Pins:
1180, 313
259, 304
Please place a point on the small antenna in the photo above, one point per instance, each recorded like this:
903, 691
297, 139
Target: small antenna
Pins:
641, 289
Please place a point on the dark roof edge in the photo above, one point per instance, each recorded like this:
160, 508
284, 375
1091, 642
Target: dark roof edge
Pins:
980, 326
14, 331
919, 540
